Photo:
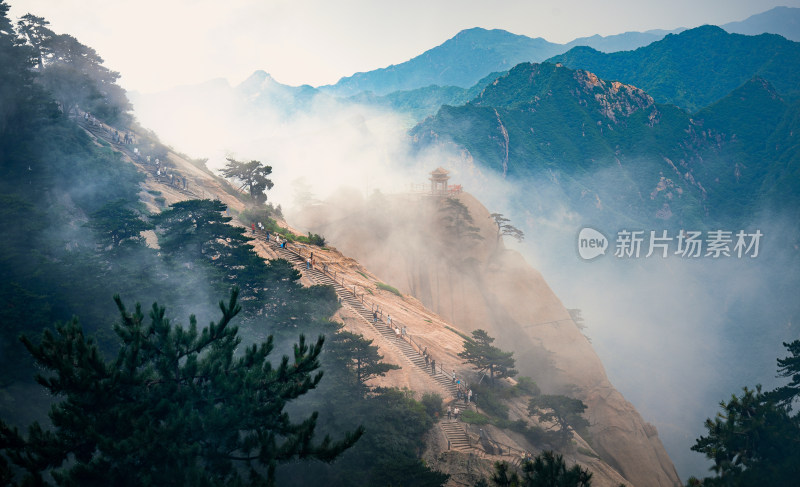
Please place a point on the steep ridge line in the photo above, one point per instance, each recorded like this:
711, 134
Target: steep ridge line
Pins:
414, 356
455, 431
103, 132
348, 298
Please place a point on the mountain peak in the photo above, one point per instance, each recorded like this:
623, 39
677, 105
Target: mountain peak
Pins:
258, 79
460, 61
784, 21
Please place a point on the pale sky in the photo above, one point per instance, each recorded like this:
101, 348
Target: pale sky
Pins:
158, 44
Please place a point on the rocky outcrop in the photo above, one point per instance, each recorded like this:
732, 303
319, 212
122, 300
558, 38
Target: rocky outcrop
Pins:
472, 281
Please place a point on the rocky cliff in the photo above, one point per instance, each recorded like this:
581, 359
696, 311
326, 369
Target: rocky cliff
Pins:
454, 263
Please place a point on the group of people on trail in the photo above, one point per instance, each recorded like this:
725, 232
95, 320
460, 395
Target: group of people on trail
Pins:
429, 360
171, 179
127, 139
88, 118
453, 412
462, 392
169, 175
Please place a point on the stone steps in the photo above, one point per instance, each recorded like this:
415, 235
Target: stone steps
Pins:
457, 438
101, 133
348, 299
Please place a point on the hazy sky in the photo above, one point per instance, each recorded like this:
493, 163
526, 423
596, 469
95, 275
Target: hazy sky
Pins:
158, 44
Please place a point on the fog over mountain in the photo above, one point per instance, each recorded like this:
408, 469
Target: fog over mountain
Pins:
660, 132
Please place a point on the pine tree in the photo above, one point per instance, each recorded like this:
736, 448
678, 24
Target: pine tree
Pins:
788, 367
116, 224
458, 223
480, 352
176, 407
360, 356
547, 469
506, 229
564, 411
253, 176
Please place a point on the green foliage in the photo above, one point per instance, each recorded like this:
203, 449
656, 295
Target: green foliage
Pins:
613, 153
491, 399
312, 238
74, 73
473, 417
256, 214
526, 385
360, 357
545, 470
536, 435
549, 470
316, 239
458, 225
116, 224
503, 476
564, 411
754, 439
432, 403
253, 175
479, 352
504, 228
788, 367
389, 288
55, 182
387, 454
176, 400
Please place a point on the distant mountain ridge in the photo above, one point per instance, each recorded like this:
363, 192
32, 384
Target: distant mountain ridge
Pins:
460, 61
784, 21
453, 72
696, 67
474, 53
610, 147
627, 41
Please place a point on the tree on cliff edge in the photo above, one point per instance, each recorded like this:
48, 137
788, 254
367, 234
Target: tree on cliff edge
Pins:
480, 352
253, 175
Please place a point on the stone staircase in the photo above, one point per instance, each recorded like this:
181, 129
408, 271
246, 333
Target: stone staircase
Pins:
102, 133
457, 438
349, 299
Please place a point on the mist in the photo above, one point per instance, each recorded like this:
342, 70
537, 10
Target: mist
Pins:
675, 335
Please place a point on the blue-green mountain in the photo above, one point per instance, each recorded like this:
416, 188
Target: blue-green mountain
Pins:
614, 151
461, 61
696, 67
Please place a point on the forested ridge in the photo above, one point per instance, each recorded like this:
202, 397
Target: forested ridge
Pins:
72, 223
167, 351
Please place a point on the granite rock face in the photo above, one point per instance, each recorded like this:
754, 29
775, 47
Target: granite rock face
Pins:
460, 270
